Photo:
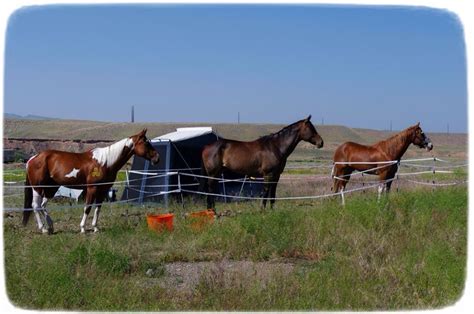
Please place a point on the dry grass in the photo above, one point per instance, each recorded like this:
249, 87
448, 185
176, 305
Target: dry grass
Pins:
453, 145
409, 253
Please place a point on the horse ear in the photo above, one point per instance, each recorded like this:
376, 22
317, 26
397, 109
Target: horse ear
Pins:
143, 132
418, 124
308, 118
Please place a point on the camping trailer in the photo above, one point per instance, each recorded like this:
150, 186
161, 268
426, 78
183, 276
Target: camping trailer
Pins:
180, 153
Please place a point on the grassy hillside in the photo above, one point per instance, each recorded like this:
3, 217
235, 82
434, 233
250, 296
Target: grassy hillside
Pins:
304, 255
453, 145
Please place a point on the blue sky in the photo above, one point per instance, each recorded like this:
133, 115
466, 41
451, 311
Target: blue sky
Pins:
349, 65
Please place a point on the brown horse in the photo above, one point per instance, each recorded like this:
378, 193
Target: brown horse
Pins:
351, 156
265, 157
93, 171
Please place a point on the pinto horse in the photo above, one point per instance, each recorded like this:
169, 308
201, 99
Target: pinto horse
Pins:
351, 156
265, 157
93, 171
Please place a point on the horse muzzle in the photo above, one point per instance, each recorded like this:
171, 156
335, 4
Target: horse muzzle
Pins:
429, 146
155, 159
320, 144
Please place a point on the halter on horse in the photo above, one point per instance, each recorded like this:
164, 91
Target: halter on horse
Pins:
93, 171
351, 156
265, 156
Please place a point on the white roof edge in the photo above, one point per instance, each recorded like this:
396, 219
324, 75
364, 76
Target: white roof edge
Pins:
197, 128
183, 134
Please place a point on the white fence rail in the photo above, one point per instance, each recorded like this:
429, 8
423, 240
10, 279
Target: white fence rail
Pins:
177, 188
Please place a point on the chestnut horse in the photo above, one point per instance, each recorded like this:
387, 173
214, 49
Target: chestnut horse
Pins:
351, 156
265, 157
93, 171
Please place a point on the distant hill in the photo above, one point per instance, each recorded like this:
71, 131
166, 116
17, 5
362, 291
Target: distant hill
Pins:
27, 117
452, 145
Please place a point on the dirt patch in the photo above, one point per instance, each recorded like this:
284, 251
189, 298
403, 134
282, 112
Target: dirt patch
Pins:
185, 276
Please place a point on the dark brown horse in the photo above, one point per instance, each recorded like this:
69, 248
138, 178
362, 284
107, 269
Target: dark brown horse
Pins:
265, 157
351, 156
93, 171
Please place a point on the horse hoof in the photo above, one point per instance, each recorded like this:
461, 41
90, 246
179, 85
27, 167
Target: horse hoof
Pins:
96, 229
44, 230
50, 230
83, 231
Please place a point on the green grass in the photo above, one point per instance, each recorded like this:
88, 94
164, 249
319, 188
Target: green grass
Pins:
17, 175
457, 174
407, 253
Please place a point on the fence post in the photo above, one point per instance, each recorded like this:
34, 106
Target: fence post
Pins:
242, 187
397, 176
363, 182
223, 188
127, 183
180, 190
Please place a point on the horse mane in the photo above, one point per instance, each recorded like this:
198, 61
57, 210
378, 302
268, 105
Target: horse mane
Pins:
283, 131
397, 136
396, 141
110, 154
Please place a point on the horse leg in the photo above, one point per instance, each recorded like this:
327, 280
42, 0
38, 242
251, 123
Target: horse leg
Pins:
46, 216
389, 178
273, 188
388, 185
99, 201
90, 197
266, 191
48, 194
36, 205
211, 183
212, 168
336, 173
340, 181
386, 178
380, 190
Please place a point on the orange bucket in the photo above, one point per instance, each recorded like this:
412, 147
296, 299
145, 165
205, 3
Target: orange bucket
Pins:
160, 222
201, 219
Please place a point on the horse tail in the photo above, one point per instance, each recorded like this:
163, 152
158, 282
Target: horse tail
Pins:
28, 201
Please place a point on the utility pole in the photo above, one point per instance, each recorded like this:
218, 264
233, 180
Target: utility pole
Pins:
390, 125
238, 117
322, 121
133, 114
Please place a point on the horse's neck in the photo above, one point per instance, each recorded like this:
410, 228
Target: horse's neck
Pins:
396, 146
287, 141
114, 156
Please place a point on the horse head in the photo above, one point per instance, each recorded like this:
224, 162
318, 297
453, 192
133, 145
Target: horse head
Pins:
309, 134
420, 139
143, 148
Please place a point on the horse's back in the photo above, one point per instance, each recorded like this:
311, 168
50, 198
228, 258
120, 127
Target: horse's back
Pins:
238, 156
351, 151
58, 166
57, 156
228, 145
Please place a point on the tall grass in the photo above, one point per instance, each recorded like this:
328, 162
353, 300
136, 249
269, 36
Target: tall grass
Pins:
408, 252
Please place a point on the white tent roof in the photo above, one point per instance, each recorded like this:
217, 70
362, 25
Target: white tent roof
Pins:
67, 192
182, 134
